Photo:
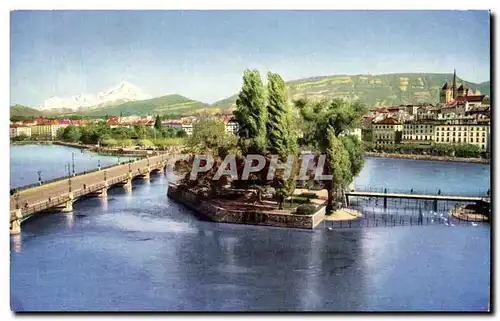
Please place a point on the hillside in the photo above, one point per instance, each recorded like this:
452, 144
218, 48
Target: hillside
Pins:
373, 90
169, 104
23, 111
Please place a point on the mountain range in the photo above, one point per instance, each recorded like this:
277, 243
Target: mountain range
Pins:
373, 90
121, 93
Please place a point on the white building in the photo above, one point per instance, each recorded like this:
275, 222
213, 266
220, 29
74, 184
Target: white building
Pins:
17, 130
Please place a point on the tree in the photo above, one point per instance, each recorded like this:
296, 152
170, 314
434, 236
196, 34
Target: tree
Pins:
281, 139
329, 120
157, 125
209, 138
181, 133
71, 134
251, 113
140, 131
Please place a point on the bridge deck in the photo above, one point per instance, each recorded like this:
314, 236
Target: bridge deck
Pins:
45, 196
416, 196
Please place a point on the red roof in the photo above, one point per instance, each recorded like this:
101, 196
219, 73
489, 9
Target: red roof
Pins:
390, 121
475, 98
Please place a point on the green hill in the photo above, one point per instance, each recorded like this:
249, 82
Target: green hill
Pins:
169, 104
373, 90
23, 111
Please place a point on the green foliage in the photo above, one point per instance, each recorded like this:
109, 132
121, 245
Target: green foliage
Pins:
20, 138
145, 143
181, 133
326, 123
281, 139
447, 150
141, 131
210, 137
71, 134
251, 113
355, 150
109, 142
306, 209
157, 125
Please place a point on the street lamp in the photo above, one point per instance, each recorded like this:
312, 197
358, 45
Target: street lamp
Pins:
99, 164
40, 177
104, 175
69, 178
129, 169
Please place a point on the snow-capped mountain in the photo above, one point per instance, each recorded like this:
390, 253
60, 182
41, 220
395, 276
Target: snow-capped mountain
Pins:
120, 93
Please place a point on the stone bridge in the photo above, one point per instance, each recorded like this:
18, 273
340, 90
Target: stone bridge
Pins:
61, 194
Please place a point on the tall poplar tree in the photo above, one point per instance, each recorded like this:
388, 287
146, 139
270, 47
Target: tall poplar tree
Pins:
251, 113
280, 126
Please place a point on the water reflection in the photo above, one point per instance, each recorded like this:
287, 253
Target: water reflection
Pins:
16, 243
104, 203
70, 219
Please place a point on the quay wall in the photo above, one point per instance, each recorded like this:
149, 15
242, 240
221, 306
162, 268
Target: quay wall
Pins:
222, 215
429, 157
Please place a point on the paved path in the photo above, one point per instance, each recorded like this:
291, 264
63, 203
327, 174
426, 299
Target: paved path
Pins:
59, 188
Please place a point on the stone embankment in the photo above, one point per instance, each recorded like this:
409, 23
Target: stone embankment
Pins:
430, 157
221, 214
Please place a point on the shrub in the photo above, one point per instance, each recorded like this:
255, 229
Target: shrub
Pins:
109, 142
306, 209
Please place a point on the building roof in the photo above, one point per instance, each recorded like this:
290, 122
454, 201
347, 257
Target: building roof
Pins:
389, 121
472, 98
445, 86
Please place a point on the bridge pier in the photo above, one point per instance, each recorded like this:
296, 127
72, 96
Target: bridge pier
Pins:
15, 225
385, 202
67, 206
347, 200
435, 205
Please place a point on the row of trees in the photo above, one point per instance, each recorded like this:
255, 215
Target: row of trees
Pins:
448, 150
100, 133
268, 125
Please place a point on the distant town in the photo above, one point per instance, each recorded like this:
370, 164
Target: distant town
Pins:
461, 117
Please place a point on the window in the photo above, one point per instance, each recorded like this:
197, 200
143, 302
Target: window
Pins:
447, 134
453, 139
484, 128
483, 134
483, 140
477, 140
447, 139
472, 140
453, 134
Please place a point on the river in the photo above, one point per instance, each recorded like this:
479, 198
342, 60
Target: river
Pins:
140, 251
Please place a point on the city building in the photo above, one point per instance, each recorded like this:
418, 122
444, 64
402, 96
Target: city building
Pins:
231, 125
187, 126
387, 131
463, 133
176, 124
46, 129
19, 130
418, 132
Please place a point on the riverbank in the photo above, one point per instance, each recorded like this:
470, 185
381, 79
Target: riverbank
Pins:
98, 150
430, 157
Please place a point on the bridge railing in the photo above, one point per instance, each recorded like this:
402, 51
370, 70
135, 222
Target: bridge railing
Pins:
25, 187
418, 190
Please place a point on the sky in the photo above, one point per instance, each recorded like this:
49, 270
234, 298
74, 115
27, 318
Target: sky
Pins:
202, 54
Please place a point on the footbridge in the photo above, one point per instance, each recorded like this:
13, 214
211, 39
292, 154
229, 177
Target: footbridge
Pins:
60, 195
385, 194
